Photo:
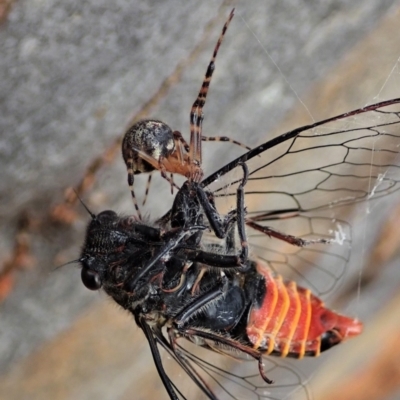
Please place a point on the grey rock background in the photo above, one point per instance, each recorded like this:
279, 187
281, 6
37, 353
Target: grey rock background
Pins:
73, 73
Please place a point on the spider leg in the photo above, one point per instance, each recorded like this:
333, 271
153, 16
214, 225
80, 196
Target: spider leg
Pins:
196, 113
224, 139
163, 171
129, 166
171, 177
180, 144
147, 188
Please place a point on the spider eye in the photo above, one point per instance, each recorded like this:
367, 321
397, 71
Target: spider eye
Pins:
91, 279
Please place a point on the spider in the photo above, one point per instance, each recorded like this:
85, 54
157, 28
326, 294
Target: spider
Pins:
151, 144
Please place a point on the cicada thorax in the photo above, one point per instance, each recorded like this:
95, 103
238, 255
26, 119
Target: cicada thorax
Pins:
288, 320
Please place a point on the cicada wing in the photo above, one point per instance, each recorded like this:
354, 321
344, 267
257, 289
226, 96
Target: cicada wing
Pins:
305, 183
229, 375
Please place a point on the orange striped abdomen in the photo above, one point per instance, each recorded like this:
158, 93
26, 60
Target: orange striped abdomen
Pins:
291, 321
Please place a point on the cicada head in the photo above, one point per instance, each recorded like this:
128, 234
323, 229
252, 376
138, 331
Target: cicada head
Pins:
105, 238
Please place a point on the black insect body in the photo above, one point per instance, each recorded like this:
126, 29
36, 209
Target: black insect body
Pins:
169, 277
209, 308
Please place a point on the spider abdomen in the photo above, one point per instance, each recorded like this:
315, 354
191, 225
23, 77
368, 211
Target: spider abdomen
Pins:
148, 137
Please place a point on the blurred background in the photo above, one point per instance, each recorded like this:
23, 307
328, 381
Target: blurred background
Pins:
73, 75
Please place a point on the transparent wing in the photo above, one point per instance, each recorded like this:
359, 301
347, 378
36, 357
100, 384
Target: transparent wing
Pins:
304, 183
231, 376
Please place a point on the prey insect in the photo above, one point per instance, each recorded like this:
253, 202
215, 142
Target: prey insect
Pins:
178, 287
286, 201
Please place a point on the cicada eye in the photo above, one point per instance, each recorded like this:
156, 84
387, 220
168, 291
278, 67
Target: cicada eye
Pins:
91, 279
107, 215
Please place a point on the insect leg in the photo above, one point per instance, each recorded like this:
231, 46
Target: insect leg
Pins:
230, 242
156, 357
201, 302
196, 113
217, 225
232, 343
295, 241
216, 260
240, 212
181, 281
178, 354
132, 281
223, 229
